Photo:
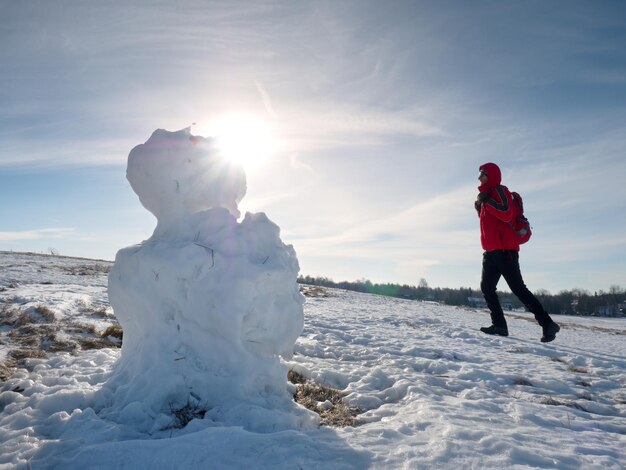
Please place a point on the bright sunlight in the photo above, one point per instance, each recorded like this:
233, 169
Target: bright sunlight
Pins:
244, 138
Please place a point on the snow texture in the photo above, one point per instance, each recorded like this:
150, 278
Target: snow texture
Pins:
208, 305
436, 392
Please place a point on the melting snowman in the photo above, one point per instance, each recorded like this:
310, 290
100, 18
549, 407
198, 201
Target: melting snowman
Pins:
210, 306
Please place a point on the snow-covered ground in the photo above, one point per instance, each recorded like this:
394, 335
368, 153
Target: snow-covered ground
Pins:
435, 392
73, 289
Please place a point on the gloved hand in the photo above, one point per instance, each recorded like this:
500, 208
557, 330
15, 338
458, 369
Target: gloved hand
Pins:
478, 205
482, 197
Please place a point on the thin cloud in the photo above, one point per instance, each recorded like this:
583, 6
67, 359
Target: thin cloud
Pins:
266, 99
38, 234
262, 202
27, 153
297, 164
337, 126
414, 233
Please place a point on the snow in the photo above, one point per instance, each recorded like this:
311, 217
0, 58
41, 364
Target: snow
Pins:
435, 392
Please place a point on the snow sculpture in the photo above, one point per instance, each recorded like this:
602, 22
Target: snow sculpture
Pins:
207, 304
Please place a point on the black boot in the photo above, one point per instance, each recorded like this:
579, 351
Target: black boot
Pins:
496, 330
549, 332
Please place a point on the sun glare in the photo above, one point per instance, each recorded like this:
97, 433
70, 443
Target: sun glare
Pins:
244, 139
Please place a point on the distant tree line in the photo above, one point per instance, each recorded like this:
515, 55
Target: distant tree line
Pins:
572, 302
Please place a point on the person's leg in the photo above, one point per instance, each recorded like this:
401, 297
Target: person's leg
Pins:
488, 283
509, 267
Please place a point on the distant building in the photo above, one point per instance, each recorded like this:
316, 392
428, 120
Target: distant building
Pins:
607, 311
479, 302
476, 302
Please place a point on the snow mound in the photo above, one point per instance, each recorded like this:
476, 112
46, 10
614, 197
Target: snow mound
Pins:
208, 305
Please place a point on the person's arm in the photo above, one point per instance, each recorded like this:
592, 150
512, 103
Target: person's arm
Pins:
478, 205
501, 208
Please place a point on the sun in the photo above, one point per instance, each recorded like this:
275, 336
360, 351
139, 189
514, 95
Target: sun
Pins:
244, 139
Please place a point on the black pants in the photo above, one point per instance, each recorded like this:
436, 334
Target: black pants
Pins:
506, 263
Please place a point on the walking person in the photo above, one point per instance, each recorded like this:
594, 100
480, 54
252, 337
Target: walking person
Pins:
501, 256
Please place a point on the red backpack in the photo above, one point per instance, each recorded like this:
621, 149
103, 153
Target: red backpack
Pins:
520, 223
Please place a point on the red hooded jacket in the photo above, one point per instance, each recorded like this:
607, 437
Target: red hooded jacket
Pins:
496, 212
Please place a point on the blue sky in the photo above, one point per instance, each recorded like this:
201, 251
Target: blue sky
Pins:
381, 113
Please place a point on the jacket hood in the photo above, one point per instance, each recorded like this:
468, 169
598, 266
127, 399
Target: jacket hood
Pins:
493, 174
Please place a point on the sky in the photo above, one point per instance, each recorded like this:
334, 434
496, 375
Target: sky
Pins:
369, 121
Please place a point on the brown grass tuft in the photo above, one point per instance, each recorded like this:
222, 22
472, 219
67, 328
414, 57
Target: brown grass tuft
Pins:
310, 395
557, 359
570, 404
86, 270
46, 314
296, 378
522, 381
115, 331
22, 354
6, 371
183, 416
82, 328
96, 343
8, 314
17, 317
62, 346
314, 291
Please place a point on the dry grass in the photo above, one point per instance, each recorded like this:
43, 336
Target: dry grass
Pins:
58, 345
35, 331
570, 404
100, 312
311, 395
579, 370
32, 331
96, 342
45, 313
115, 331
87, 269
296, 378
522, 381
6, 314
21, 354
314, 291
6, 371
90, 338
183, 416
82, 328
16, 317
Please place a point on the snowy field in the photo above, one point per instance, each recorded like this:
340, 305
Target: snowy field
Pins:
434, 392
